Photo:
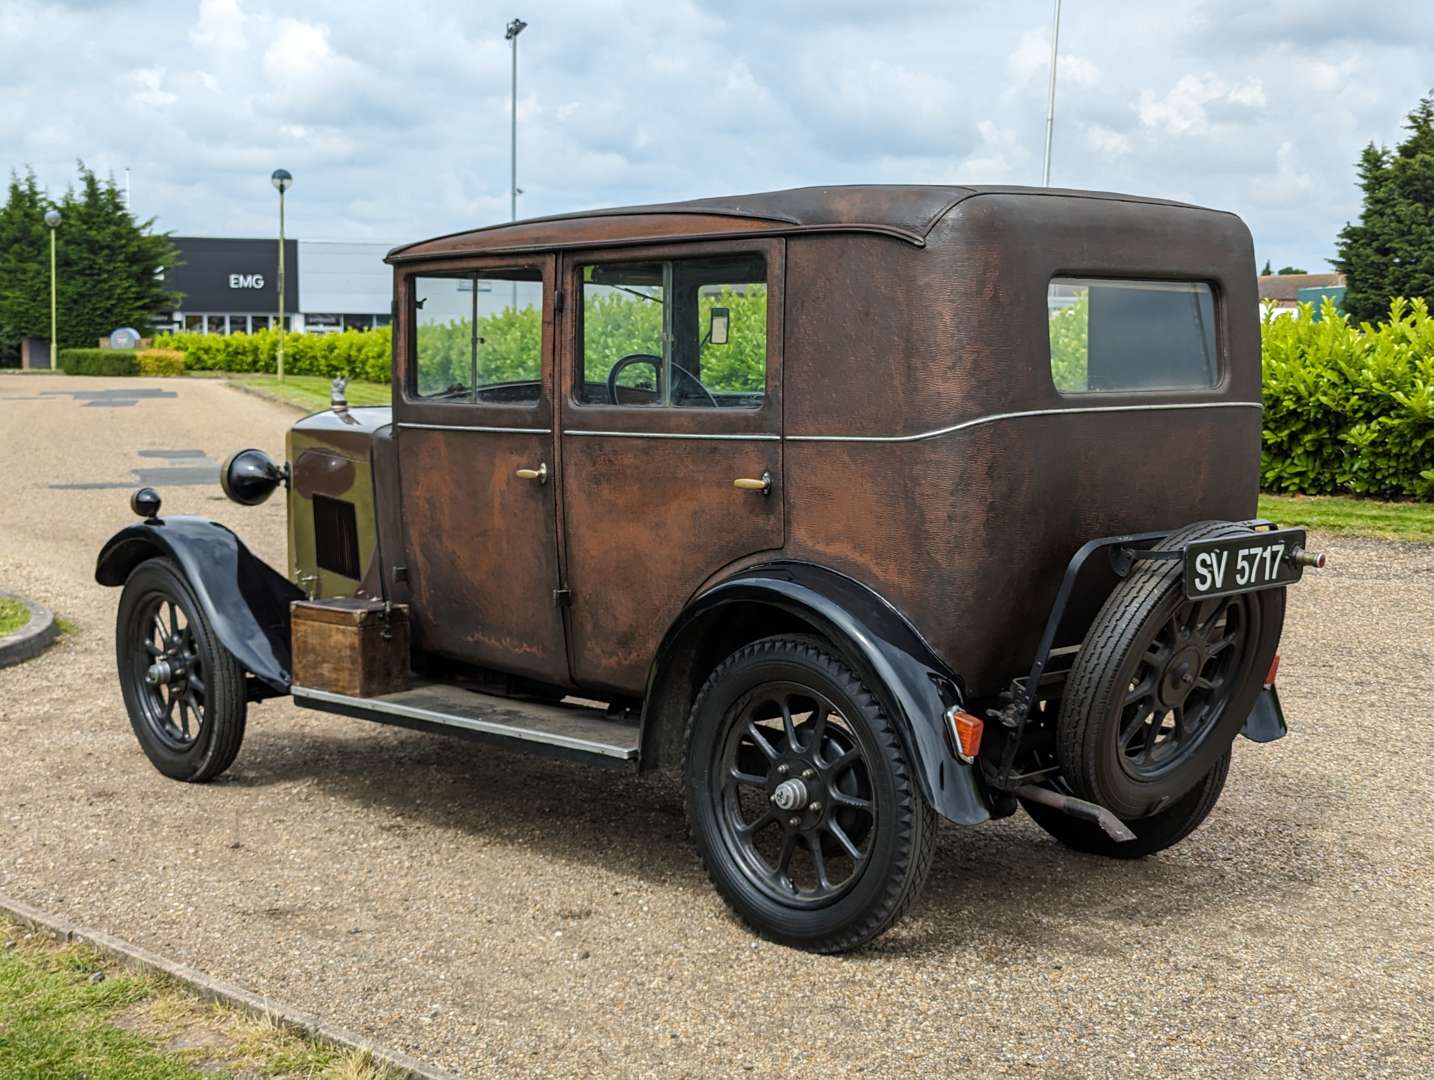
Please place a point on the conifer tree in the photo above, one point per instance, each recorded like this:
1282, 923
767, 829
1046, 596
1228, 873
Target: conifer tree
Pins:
1390, 252
108, 265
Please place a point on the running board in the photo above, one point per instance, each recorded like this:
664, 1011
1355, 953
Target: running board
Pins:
576, 732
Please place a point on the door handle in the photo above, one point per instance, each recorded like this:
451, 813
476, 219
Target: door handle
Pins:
763, 485
540, 474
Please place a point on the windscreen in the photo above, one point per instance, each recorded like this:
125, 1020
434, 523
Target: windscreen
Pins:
1113, 336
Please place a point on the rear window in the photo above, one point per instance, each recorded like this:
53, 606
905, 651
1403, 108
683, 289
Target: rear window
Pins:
1111, 336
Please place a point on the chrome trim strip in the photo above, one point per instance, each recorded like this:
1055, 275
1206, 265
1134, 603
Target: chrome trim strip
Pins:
474, 427
918, 437
978, 421
490, 727
759, 437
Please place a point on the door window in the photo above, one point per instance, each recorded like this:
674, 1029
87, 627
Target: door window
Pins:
478, 336
681, 333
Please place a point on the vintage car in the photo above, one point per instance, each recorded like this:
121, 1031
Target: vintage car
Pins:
861, 506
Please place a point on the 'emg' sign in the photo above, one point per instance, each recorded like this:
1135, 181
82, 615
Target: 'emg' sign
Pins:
246, 281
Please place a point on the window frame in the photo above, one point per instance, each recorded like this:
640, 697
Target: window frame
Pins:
406, 369
674, 419
1218, 336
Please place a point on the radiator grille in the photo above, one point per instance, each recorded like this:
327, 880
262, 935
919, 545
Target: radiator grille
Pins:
336, 536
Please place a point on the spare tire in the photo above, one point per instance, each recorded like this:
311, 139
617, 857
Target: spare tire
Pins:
1162, 684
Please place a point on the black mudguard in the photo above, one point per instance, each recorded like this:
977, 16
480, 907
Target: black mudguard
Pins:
245, 600
1266, 721
913, 684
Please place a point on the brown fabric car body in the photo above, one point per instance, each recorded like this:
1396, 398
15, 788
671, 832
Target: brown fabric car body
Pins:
916, 440
920, 504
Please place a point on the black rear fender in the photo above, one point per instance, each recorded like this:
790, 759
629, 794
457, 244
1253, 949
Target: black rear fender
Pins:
245, 600
913, 685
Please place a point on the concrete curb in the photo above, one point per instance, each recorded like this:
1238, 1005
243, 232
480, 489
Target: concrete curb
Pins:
31, 639
132, 956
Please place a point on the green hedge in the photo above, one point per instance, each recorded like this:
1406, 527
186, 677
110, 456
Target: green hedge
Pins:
1350, 408
508, 351
358, 354
98, 362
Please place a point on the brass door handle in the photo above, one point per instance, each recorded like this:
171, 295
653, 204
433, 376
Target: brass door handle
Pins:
540, 474
763, 485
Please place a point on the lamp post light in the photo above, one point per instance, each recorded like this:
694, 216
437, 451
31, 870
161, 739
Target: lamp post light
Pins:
281, 179
52, 219
516, 27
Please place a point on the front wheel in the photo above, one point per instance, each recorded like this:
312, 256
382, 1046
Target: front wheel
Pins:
183, 691
801, 797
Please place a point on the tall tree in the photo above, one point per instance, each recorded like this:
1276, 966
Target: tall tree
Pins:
108, 265
24, 267
1266, 272
1390, 252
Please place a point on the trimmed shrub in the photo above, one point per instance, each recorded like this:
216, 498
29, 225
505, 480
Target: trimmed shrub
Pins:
357, 354
1349, 409
98, 361
160, 361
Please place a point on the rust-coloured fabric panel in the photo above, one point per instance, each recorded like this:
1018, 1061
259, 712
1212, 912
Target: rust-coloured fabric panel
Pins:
482, 558
969, 533
647, 521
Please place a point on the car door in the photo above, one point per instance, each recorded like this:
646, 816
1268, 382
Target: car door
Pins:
670, 447
473, 405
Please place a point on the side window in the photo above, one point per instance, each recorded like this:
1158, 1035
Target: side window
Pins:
1123, 336
679, 333
478, 336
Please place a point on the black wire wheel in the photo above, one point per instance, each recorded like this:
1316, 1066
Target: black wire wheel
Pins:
1182, 683
801, 798
183, 691
1163, 684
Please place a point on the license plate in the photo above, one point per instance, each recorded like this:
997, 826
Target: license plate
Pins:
1237, 564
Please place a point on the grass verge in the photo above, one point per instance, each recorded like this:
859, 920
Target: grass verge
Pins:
1352, 517
310, 392
13, 615
67, 1012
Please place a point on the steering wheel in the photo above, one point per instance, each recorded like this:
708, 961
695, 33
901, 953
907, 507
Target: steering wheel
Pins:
656, 362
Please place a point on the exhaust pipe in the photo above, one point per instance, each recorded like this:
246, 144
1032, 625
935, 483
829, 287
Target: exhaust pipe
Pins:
1077, 808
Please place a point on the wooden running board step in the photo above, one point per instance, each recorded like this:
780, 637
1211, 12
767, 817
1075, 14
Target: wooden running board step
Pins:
573, 731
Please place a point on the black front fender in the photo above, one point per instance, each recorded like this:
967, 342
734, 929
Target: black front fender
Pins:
245, 600
913, 684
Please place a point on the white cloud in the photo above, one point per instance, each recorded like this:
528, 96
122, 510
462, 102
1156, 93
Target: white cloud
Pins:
1186, 107
220, 25
148, 88
1000, 155
1029, 63
394, 121
1107, 142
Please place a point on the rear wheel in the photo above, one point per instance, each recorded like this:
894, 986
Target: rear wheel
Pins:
801, 798
1162, 684
183, 691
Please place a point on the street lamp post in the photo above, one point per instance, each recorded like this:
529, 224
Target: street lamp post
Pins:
1051, 91
281, 179
52, 219
516, 27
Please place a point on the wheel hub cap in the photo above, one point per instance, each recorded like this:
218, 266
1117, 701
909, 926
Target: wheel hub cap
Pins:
159, 673
1180, 675
790, 794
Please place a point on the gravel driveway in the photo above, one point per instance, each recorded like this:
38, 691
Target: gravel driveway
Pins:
504, 915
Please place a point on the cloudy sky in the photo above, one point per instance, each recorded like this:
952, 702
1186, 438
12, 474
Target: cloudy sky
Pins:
394, 117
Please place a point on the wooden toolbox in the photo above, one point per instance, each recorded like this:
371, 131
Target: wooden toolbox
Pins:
350, 646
